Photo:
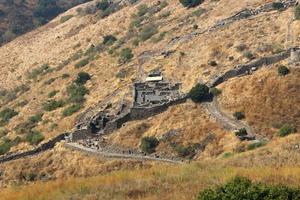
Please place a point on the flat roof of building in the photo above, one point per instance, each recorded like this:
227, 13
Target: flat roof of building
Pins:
155, 78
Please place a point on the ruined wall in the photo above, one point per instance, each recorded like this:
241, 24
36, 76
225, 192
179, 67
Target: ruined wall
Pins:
46, 146
245, 68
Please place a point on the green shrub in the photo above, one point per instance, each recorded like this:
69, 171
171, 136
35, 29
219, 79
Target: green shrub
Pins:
82, 78
42, 70
239, 115
190, 3
255, 145
34, 137
277, 5
3, 132
283, 70
240, 188
249, 55
71, 109
297, 12
147, 32
53, 105
4, 147
241, 132
109, 39
142, 10
53, 93
103, 5
227, 154
36, 118
215, 91
148, 144
212, 63
65, 18
241, 47
7, 114
82, 63
126, 55
183, 151
76, 93
199, 93
287, 130
64, 76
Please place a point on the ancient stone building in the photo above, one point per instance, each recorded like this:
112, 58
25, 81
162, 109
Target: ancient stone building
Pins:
155, 91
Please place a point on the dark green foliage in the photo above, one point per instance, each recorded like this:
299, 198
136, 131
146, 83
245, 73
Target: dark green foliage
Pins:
4, 147
72, 109
278, 5
64, 76
126, 55
148, 144
103, 5
241, 188
249, 55
46, 10
27, 126
82, 63
82, 78
182, 151
215, 91
142, 10
297, 12
212, 63
109, 39
241, 132
256, 145
36, 118
53, 93
7, 114
239, 115
287, 130
53, 105
34, 137
3, 132
76, 93
190, 3
283, 70
199, 93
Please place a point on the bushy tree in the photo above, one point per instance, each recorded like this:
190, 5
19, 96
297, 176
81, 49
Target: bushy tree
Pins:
239, 115
7, 114
126, 55
190, 3
199, 93
103, 5
82, 78
76, 93
109, 39
148, 144
283, 70
241, 132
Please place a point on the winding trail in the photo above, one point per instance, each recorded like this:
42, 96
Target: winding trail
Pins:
226, 121
81, 148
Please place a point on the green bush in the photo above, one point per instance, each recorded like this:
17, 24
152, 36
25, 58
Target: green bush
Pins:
71, 110
239, 115
183, 151
199, 93
7, 114
240, 188
65, 18
297, 12
42, 70
4, 147
249, 55
148, 144
147, 32
277, 5
76, 93
190, 3
64, 76
126, 55
109, 39
142, 10
3, 132
53, 105
34, 137
82, 63
241, 132
256, 145
36, 118
53, 93
103, 5
283, 70
215, 91
287, 130
82, 78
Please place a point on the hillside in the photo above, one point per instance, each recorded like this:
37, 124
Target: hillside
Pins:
89, 57
19, 17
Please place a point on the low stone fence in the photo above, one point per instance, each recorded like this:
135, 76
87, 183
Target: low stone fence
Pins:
246, 68
46, 146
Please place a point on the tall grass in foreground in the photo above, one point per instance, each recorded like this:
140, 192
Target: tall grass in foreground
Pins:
159, 182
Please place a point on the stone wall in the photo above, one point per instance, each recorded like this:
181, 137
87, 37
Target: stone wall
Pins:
246, 68
46, 146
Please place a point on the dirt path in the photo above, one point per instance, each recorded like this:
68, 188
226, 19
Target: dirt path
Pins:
78, 147
226, 121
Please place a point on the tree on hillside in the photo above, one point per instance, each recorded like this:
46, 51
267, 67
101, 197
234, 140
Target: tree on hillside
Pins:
190, 3
199, 93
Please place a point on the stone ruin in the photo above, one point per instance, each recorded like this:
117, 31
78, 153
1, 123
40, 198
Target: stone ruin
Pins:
150, 97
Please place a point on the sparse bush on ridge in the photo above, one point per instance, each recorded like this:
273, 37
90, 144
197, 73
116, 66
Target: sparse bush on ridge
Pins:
72, 109
34, 137
52, 104
42, 70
